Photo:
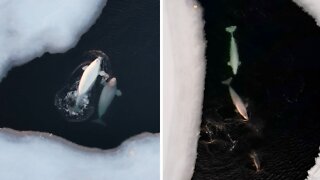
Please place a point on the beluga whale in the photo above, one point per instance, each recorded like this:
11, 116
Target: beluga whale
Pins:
237, 101
234, 62
88, 78
90, 90
108, 92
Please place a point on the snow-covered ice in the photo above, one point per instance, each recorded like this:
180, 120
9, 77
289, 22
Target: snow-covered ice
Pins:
184, 73
312, 7
27, 155
314, 172
29, 28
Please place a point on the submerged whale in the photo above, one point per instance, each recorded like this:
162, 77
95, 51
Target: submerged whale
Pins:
237, 101
234, 62
108, 92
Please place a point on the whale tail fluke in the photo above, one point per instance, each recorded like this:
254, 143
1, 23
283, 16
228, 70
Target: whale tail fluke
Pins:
100, 122
231, 29
227, 82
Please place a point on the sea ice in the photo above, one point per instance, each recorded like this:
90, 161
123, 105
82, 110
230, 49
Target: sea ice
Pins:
314, 172
184, 73
27, 155
29, 28
312, 7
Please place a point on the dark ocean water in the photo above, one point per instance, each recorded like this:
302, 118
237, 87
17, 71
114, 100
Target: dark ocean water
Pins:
278, 77
128, 32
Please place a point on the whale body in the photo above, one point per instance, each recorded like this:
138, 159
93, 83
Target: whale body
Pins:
88, 78
237, 101
234, 62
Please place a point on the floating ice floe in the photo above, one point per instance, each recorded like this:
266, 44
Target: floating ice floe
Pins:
29, 28
27, 155
237, 101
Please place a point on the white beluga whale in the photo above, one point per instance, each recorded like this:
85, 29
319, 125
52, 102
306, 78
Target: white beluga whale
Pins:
237, 101
88, 78
234, 62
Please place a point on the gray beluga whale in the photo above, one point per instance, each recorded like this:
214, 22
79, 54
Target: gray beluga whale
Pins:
234, 62
108, 93
237, 101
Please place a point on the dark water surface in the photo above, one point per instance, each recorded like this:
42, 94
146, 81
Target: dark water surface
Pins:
128, 32
278, 77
